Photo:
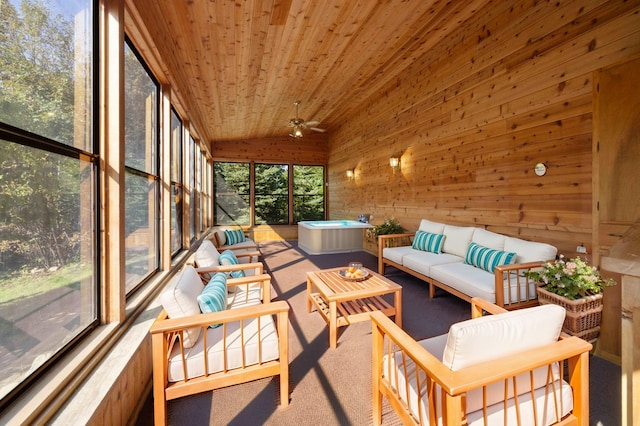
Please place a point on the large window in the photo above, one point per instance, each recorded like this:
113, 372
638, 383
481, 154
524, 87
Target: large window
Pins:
231, 192
275, 188
192, 189
176, 183
308, 193
48, 172
141, 171
272, 194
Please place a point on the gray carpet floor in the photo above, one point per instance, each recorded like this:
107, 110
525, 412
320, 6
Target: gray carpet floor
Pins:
333, 386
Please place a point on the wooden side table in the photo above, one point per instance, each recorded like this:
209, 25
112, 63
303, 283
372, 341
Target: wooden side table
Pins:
342, 302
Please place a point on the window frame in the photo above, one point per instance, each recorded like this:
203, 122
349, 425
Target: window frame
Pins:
156, 178
29, 139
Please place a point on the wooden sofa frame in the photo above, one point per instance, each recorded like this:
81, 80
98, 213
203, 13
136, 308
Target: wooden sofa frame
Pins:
388, 337
512, 273
165, 333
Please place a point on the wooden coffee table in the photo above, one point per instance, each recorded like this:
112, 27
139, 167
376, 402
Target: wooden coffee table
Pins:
341, 302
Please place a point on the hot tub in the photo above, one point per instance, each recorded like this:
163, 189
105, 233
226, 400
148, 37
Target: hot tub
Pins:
331, 236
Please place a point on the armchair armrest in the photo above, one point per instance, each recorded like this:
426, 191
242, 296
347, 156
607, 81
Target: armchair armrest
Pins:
253, 247
164, 325
521, 294
480, 305
258, 266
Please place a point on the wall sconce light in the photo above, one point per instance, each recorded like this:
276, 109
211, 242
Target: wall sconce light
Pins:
394, 162
350, 174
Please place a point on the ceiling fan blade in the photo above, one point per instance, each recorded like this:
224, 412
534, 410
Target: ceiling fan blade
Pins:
311, 123
316, 129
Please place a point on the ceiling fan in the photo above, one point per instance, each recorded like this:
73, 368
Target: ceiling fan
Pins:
297, 124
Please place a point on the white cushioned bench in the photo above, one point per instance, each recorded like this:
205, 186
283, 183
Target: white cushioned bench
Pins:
467, 262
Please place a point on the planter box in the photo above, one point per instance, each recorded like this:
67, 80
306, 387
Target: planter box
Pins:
583, 315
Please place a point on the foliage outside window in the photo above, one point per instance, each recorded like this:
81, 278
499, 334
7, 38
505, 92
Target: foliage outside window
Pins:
272, 198
48, 232
308, 193
141, 166
231, 193
272, 194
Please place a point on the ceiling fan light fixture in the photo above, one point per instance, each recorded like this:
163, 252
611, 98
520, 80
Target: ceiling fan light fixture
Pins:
296, 132
297, 124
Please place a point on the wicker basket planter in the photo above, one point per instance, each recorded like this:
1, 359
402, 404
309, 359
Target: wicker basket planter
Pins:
583, 315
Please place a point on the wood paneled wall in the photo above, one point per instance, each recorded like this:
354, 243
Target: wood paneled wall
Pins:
311, 149
513, 88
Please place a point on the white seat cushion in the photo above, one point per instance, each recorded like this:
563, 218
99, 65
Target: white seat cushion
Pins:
422, 261
476, 282
250, 352
395, 254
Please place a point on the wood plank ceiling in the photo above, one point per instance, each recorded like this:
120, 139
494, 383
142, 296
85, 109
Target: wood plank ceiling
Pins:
240, 65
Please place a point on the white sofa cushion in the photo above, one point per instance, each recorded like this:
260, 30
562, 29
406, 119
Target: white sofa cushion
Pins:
429, 226
252, 352
476, 282
457, 239
488, 239
206, 256
395, 254
180, 300
530, 251
244, 295
422, 261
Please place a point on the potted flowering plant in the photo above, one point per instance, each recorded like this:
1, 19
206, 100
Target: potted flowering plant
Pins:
576, 286
572, 279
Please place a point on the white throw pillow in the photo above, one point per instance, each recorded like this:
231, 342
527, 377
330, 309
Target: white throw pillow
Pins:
479, 340
457, 239
530, 251
432, 227
488, 239
180, 299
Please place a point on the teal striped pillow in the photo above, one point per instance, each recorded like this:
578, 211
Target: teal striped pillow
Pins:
427, 241
486, 258
227, 258
234, 236
213, 297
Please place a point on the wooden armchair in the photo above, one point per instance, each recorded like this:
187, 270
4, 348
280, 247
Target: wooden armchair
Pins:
195, 352
511, 368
